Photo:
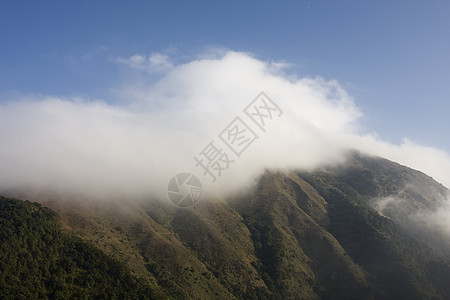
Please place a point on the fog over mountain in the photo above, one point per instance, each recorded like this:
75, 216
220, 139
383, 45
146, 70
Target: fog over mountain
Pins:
298, 200
297, 235
133, 144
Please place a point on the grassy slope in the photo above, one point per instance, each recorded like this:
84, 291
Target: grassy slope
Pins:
303, 235
39, 260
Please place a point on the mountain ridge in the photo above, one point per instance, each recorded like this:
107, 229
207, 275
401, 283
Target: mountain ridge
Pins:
299, 234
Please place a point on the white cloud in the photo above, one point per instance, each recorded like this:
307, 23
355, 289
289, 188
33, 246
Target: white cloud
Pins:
135, 146
155, 62
414, 215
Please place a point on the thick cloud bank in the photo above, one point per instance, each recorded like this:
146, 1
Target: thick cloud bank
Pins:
134, 146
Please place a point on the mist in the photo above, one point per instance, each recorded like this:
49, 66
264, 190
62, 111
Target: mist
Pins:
417, 217
132, 144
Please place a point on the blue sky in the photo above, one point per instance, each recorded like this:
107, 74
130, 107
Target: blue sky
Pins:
393, 57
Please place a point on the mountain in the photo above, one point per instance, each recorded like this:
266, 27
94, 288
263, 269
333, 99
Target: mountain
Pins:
347, 231
38, 260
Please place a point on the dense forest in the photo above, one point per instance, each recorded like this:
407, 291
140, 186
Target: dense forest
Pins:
38, 260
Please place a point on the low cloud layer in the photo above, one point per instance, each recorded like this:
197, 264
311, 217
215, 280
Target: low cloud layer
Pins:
133, 146
415, 216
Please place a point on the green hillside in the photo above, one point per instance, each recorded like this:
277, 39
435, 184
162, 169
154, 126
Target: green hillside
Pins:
297, 235
38, 260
